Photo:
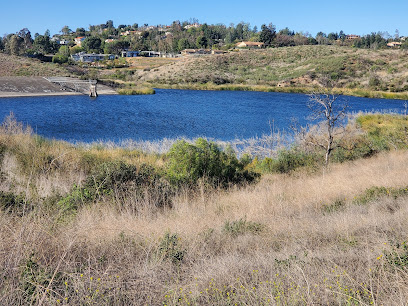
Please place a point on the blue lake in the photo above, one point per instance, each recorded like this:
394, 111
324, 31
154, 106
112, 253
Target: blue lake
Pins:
220, 115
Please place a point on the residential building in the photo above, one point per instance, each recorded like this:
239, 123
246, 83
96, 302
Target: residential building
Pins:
394, 44
194, 25
89, 58
250, 44
149, 53
352, 37
128, 53
79, 40
126, 33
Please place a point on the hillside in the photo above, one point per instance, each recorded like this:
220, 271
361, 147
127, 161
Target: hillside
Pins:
290, 67
11, 65
360, 72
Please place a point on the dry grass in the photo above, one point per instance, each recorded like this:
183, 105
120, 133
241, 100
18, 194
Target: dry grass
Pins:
11, 65
111, 253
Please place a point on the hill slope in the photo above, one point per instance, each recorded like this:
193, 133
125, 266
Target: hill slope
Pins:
301, 66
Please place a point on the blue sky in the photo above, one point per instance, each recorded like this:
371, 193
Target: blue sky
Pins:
353, 17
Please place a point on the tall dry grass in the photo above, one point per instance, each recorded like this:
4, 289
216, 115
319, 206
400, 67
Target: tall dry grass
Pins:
303, 254
290, 239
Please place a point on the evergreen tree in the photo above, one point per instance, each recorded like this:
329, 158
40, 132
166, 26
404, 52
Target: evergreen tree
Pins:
268, 34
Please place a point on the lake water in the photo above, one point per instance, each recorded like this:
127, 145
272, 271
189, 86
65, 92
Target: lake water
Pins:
220, 115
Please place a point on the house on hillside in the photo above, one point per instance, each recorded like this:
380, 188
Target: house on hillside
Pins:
89, 58
149, 53
394, 44
194, 25
352, 37
79, 40
59, 40
126, 33
128, 53
249, 44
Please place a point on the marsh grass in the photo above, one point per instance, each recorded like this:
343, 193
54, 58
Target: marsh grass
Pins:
136, 91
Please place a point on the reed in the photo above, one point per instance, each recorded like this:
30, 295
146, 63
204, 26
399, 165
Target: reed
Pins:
365, 93
136, 91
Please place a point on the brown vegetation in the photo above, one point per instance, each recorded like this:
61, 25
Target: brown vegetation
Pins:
300, 238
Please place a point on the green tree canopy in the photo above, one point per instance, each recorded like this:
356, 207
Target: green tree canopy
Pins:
201, 42
116, 47
44, 45
80, 32
268, 34
66, 30
183, 43
92, 44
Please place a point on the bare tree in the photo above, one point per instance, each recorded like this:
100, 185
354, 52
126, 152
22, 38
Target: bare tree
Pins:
331, 112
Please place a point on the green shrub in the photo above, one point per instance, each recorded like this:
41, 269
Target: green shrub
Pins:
118, 178
59, 59
169, 248
385, 131
360, 148
34, 278
375, 193
11, 202
398, 256
242, 226
287, 161
188, 163
337, 205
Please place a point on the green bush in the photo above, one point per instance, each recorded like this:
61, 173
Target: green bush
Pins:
360, 148
169, 248
59, 59
242, 226
118, 178
398, 256
287, 161
375, 193
189, 163
385, 131
337, 205
11, 202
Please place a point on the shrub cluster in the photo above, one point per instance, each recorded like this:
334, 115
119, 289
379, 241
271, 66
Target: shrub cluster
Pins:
119, 179
287, 161
189, 163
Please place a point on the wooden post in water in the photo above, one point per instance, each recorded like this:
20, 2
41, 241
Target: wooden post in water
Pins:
92, 90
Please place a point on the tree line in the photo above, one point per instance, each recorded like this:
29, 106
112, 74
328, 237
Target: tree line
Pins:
108, 39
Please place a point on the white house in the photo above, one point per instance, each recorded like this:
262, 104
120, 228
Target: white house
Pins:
249, 44
79, 40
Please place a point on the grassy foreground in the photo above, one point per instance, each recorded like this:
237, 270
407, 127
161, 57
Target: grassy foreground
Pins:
92, 226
